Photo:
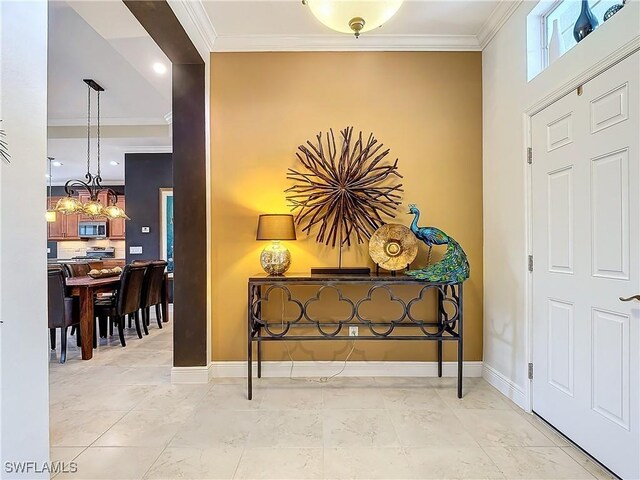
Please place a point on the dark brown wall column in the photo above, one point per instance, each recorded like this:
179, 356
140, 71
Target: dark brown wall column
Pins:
189, 180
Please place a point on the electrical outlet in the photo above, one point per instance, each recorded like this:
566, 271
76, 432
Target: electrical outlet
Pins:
145, 229
135, 250
353, 331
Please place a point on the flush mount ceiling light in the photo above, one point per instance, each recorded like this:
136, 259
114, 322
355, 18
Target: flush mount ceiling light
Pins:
353, 16
114, 163
56, 163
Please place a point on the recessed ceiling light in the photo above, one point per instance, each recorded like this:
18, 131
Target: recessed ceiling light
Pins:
56, 163
114, 163
160, 68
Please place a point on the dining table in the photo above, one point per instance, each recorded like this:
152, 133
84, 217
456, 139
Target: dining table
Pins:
86, 288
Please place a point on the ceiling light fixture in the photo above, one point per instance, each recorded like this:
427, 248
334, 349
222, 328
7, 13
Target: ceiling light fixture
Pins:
353, 16
56, 163
160, 68
114, 163
92, 184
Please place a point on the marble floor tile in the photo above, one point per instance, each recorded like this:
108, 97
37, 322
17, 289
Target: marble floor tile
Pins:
78, 428
536, 463
98, 397
452, 462
347, 397
168, 397
589, 465
475, 397
281, 464
501, 428
144, 428
286, 428
195, 464
210, 428
424, 428
292, 397
367, 463
423, 398
113, 463
231, 397
358, 428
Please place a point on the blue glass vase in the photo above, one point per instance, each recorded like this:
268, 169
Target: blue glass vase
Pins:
586, 22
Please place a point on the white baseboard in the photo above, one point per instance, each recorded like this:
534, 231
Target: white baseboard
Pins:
505, 386
352, 369
190, 374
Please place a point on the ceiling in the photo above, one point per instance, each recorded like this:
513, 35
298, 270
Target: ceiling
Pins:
255, 25
102, 40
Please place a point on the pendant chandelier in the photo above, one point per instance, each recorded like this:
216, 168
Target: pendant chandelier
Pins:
51, 212
353, 16
92, 184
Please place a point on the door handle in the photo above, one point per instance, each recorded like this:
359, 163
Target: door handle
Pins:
632, 297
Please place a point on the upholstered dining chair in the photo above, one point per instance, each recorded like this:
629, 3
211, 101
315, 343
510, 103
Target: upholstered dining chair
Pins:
125, 302
77, 269
152, 292
64, 311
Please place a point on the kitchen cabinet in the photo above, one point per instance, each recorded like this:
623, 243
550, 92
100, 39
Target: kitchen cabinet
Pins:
117, 226
65, 227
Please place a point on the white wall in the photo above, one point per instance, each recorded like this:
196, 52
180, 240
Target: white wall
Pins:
24, 393
506, 97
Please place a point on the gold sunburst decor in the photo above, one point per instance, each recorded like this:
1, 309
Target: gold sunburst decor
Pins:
343, 190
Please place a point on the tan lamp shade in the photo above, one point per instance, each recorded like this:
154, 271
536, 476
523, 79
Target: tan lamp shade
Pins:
276, 227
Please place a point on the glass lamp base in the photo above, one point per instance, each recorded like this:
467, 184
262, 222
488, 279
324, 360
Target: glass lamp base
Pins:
275, 259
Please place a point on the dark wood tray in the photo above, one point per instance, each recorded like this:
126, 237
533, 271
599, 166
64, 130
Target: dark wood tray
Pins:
104, 275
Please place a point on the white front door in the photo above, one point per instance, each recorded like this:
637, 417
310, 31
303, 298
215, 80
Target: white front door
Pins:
586, 247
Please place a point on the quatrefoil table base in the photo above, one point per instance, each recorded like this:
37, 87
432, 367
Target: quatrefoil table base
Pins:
303, 291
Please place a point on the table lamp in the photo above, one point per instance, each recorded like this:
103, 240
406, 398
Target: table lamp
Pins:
275, 258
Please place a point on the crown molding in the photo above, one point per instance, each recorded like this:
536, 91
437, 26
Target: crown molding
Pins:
292, 43
496, 20
198, 25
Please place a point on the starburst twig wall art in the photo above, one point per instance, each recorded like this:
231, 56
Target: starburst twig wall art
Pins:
343, 190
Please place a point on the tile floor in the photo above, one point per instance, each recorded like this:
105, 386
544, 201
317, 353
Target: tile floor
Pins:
118, 417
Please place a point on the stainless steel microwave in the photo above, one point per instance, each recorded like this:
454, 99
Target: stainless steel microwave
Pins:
92, 229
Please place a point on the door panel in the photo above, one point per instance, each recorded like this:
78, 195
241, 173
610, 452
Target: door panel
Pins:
586, 232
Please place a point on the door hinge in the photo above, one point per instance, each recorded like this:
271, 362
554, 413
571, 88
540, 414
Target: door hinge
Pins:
531, 371
529, 155
531, 263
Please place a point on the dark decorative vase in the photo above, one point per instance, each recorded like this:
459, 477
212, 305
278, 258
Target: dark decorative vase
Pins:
586, 22
612, 11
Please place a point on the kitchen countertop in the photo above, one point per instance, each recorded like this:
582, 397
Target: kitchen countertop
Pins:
82, 260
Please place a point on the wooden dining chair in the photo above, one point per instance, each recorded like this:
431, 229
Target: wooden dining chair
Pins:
152, 292
126, 300
64, 311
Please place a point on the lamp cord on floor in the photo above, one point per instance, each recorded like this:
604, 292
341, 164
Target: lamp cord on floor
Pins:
321, 379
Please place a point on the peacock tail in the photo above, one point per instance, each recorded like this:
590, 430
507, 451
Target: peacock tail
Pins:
453, 268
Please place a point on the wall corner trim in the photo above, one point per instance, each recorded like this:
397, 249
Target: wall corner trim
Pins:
190, 374
353, 369
507, 387
496, 20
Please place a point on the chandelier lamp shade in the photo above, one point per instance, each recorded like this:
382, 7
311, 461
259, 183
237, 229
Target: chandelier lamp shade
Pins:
353, 16
92, 183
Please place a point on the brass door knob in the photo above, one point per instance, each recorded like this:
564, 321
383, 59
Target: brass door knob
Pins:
633, 297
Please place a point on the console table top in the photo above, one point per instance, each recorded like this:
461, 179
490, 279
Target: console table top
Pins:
385, 277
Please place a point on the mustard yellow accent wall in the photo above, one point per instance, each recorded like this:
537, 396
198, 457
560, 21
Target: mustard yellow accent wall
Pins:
425, 106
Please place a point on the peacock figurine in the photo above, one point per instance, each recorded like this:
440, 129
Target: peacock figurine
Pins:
454, 266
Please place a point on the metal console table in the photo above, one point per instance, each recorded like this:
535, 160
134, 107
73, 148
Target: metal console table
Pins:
446, 326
